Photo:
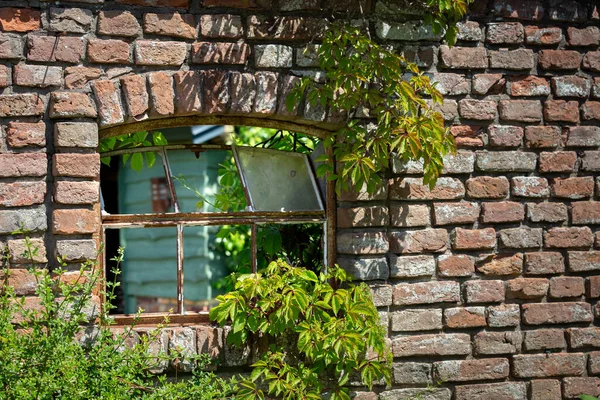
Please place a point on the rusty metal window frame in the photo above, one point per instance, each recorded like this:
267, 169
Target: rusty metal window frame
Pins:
180, 219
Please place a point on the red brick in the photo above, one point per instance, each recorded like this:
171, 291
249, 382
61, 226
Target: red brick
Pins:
530, 186
500, 212
487, 187
416, 320
464, 317
426, 293
568, 237
188, 97
170, 24
560, 110
265, 101
543, 36
589, 36
584, 136
108, 51
108, 98
544, 263
23, 164
566, 286
4, 74
505, 136
520, 110
161, 92
484, 291
11, 47
486, 343
221, 26
464, 57
571, 86
67, 192
75, 221
136, 95
591, 61
559, 59
455, 265
37, 75
556, 313
23, 281
285, 27
529, 86
76, 165
478, 109
431, 345
526, 288
505, 33
584, 261
575, 387
71, 105
414, 189
216, 91
546, 212
471, 370
423, 241
78, 77
544, 339
220, 53
519, 9
165, 3
21, 194
503, 390
467, 135
488, 84
46, 49
558, 161
455, 213
585, 212
573, 188
590, 110
519, 59
24, 134
407, 215
584, 337
474, 239
362, 217
21, 105
19, 19
150, 52
593, 287
502, 265
542, 136
594, 364
118, 23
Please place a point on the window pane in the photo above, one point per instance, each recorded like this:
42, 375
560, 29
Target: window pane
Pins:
149, 269
278, 180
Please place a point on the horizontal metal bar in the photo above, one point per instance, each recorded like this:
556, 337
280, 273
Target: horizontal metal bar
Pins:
154, 319
191, 147
198, 216
212, 222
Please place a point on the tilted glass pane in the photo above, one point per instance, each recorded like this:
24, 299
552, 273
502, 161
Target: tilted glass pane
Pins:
277, 180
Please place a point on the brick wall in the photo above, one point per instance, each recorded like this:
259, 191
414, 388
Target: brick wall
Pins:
487, 283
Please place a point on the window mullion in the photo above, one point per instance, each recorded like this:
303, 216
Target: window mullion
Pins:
253, 249
168, 175
180, 276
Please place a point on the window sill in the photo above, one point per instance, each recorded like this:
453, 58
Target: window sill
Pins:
156, 319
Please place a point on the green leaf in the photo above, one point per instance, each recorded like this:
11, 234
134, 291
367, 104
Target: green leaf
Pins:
150, 158
137, 162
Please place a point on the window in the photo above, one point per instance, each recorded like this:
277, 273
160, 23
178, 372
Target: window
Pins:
167, 218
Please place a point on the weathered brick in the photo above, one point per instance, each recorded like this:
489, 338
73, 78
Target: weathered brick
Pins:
543, 263
219, 53
24, 134
583, 261
583, 337
464, 317
488, 83
150, 52
23, 281
422, 241
505, 33
545, 389
547, 212
456, 265
484, 291
559, 59
526, 288
594, 362
524, 10
109, 51
118, 23
76, 250
584, 136
170, 24
349, 217
20, 194
365, 269
52, 48
161, 93
593, 286
521, 238
464, 57
19, 19
76, 165
66, 192
486, 187
382, 295
19, 251
544, 339
474, 239
568, 237
74, 221
273, 56
469, 31
508, 161
455, 213
500, 212
108, 98
21, 105
136, 95
571, 86
467, 135
414, 189
37, 75
548, 365
451, 84
362, 242
221, 25
426, 293
530, 85
566, 286
502, 265
73, 20
77, 77
411, 266
520, 59
590, 110
562, 111
542, 136
29, 219
591, 61
460, 163
406, 31
416, 320
530, 186
448, 109
589, 36
410, 373
409, 393
285, 27
215, 91
478, 109
488, 343
471, 370
22, 164
556, 313
520, 110
11, 47
408, 215
71, 105
504, 315
558, 161
4, 75
265, 101
573, 188
585, 212
504, 390
575, 387
543, 36
431, 345
188, 98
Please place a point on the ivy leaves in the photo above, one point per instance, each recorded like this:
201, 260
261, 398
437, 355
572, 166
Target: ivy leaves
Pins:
132, 140
335, 328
